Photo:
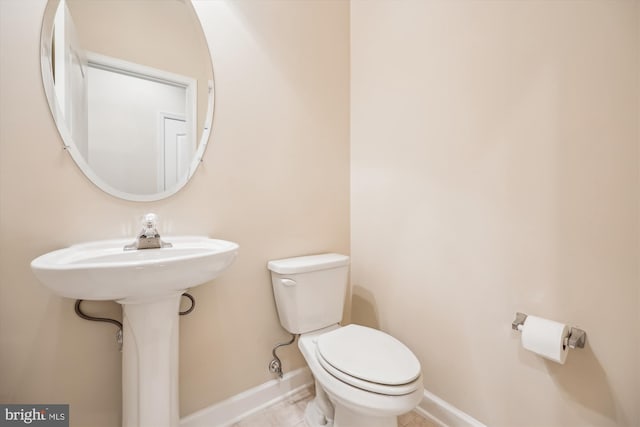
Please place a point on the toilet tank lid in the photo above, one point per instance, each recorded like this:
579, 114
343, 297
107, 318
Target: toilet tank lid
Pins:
304, 264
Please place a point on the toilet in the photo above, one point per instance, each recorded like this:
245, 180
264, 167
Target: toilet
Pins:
363, 376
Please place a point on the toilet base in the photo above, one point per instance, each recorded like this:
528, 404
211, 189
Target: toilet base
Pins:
345, 417
313, 416
319, 412
322, 412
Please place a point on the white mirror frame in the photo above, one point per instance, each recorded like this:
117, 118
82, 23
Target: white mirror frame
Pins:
67, 141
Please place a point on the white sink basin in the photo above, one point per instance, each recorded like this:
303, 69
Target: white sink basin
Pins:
102, 270
148, 283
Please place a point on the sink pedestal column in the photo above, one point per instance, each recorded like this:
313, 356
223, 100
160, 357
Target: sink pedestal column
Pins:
150, 362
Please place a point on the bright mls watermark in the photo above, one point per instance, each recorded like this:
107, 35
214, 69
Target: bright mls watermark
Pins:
34, 415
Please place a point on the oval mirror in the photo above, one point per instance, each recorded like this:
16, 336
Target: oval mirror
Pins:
130, 87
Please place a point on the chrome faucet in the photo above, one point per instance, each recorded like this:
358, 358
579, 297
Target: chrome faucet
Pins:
148, 237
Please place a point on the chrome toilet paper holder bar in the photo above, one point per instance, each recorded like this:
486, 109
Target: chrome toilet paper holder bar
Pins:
577, 337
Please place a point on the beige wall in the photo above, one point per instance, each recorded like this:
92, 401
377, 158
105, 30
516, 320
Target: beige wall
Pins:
275, 179
494, 169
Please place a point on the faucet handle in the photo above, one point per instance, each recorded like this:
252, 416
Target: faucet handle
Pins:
149, 225
148, 237
150, 220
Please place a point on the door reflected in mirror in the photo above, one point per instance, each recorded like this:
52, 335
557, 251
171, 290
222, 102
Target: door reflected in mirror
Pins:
130, 86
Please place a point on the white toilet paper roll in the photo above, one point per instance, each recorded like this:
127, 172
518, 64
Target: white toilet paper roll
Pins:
546, 338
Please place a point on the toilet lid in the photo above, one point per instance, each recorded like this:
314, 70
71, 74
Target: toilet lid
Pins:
369, 355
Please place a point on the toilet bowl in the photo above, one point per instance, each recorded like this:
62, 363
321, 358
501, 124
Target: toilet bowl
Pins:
363, 376
356, 390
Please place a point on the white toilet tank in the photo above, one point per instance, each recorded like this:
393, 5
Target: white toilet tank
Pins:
309, 290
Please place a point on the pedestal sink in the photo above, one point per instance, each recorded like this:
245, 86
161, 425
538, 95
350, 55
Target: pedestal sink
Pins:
148, 283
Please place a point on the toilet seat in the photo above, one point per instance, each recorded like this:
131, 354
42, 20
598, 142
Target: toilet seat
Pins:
369, 359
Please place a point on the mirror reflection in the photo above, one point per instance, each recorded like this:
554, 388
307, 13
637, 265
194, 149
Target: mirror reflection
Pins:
130, 85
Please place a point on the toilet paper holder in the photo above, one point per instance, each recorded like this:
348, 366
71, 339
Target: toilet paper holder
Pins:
576, 339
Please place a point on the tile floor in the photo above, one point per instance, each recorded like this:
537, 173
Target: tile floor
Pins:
290, 413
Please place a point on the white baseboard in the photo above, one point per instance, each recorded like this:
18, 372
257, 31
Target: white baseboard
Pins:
443, 413
242, 405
